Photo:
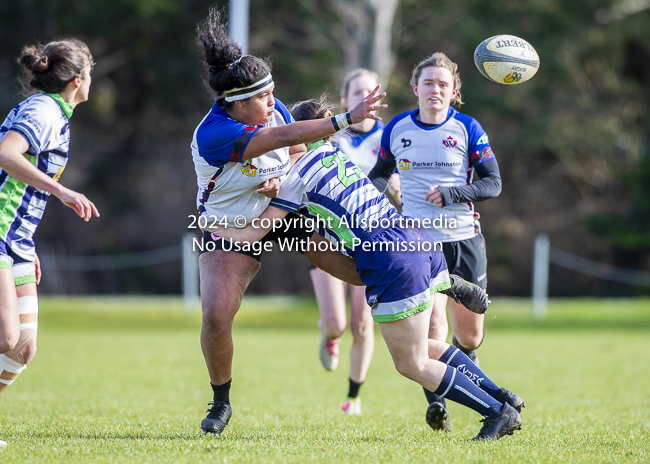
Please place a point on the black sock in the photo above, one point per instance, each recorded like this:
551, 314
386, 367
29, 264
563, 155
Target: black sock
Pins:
432, 397
353, 392
456, 343
222, 392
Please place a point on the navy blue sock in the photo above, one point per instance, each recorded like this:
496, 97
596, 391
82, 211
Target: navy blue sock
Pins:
458, 388
432, 397
456, 358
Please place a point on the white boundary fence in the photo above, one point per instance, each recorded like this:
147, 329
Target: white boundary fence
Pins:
540, 275
52, 264
544, 254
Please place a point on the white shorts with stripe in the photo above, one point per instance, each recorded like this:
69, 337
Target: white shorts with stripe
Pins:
24, 273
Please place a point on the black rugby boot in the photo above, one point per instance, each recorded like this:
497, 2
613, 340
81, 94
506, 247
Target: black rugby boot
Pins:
438, 416
218, 416
498, 425
467, 294
506, 396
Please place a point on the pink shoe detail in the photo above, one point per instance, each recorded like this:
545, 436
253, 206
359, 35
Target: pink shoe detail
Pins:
331, 346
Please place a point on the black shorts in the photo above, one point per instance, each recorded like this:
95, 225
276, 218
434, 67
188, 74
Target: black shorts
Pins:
468, 260
299, 231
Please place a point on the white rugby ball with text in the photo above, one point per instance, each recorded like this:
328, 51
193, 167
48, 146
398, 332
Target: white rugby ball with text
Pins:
506, 59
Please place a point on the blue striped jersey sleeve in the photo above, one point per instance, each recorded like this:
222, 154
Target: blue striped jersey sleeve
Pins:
222, 140
478, 145
34, 122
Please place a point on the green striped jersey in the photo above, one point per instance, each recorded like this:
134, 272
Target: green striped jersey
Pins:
43, 120
326, 184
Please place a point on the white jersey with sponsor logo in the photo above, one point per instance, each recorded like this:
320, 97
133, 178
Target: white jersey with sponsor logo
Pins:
443, 155
363, 148
227, 183
43, 120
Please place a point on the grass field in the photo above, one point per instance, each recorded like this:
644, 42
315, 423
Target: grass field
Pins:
113, 384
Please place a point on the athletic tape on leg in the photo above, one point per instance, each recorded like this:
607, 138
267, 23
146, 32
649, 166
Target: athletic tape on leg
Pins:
9, 369
12, 362
28, 311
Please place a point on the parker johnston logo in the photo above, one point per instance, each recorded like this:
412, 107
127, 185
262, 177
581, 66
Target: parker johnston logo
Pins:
249, 170
416, 165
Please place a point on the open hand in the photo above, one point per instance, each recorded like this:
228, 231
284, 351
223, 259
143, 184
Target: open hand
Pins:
78, 201
434, 196
270, 188
367, 106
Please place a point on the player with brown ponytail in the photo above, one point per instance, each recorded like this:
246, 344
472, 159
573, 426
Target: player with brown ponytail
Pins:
34, 143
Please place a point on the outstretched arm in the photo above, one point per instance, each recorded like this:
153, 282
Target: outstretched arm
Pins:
271, 138
254, 231
12, 161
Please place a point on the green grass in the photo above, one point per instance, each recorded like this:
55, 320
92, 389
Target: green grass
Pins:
111, 384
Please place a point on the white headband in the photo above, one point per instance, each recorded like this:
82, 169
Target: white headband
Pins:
253, 89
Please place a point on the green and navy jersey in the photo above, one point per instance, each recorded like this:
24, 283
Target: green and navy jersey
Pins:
43, 120
326, 184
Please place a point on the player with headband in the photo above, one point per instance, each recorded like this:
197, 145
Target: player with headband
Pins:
34, 143
400, 275
242, 149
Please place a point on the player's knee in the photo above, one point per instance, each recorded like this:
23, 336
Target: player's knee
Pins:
408, 367
362, 328
402, 367
28, 314
333, 327
471, 341
7, 344
8, 341
220, 309
17, 353
217, 320
14, 361
218, 315
29, 353
10, 369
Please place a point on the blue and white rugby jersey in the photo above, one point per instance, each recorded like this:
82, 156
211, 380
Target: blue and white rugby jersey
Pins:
43, 120
442, 155
226, 183
328, 185
362, 148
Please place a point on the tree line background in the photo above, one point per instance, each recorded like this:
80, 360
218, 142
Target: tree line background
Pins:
572, 143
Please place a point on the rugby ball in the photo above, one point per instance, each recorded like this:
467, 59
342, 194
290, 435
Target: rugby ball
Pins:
506, 59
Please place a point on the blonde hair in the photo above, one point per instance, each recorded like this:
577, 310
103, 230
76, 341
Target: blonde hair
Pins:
440, 60
352, 75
